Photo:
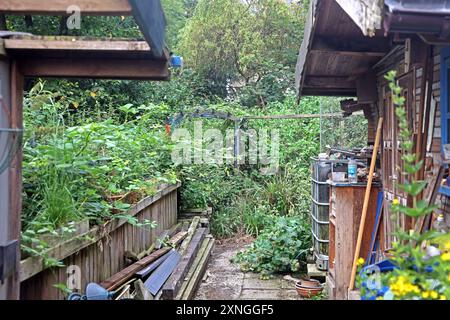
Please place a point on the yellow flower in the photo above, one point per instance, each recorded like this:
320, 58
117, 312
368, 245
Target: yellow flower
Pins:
93, 94
447, 245
445, 256
380, 298
395, 202
434, 294
442, 297
448, 277
425, 294
360, 262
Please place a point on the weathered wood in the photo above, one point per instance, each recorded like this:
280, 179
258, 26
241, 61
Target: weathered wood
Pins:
370, 46
198, 272
173, 284
362, 224
124, 275
329, 82
194, 266
60, 7
75, 44
191, 231
147, 270
119, 278
310, 26
366, 14
150, 18
15, 175
100, 68
345, 217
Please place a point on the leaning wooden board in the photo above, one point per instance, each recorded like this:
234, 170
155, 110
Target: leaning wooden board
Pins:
173, 284
119, 278
195, 275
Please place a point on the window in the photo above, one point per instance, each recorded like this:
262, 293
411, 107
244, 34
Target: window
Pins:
445, 92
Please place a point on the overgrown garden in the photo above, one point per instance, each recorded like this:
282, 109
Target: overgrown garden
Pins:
94, 148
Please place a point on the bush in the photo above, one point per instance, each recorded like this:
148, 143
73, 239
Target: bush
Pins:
278, 248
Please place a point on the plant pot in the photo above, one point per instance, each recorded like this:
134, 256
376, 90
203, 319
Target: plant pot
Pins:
308, 291
308, 283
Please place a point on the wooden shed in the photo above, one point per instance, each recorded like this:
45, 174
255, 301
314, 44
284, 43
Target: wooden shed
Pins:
23, 56
348, 47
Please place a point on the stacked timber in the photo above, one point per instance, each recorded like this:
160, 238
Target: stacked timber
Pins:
171, 269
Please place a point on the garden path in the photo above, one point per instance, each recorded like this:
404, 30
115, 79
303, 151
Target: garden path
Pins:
225, 281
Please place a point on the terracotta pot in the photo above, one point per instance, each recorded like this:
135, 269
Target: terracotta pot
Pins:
309, 283
308, 292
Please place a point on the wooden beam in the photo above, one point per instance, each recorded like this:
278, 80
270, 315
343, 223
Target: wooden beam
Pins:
15, 175
372, 47
310, 27
329, 82
175, 281
75, 44
139, 69
59, 7
149, 16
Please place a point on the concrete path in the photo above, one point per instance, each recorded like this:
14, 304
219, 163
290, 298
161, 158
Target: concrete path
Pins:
225, 281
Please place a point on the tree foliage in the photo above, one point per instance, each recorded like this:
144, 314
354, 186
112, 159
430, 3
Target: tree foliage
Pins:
245, 45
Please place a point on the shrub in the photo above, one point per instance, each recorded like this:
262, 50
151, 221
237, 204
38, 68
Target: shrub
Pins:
278, 248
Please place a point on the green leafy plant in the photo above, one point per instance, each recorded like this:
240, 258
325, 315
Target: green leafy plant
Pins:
278, 248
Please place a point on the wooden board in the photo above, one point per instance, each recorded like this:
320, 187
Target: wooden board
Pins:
100, 68
147, 270
119, 278
173, 285
74, 44
59, 7
157, 278
198, 269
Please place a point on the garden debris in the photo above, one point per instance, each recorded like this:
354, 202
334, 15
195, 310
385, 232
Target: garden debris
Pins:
174, 270
175, 281
121, 277
147, 270
195, 274
163, 272
191, 231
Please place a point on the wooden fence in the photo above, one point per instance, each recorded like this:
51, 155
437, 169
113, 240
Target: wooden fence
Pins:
99, 253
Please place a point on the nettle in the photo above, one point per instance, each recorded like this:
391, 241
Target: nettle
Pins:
418, 275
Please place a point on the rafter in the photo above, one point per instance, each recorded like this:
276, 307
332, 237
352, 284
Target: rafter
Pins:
60, 7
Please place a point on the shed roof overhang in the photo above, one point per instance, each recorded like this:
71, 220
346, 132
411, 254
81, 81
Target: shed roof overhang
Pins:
335, 53
344, 39
74, 57
148, 14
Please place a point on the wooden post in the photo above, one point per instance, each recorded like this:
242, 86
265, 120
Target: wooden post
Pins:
366, 203
11, 179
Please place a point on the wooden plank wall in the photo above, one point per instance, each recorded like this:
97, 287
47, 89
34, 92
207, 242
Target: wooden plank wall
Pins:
433, 155
104, 258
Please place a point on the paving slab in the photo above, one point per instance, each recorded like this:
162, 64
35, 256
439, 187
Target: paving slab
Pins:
261, 284
250, 294
224, 280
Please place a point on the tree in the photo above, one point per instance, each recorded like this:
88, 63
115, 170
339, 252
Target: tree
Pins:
245, 45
